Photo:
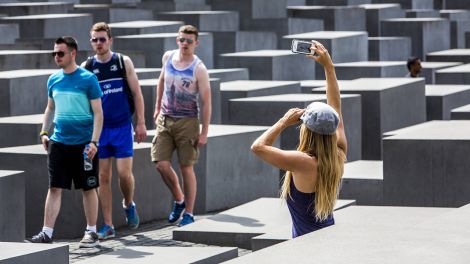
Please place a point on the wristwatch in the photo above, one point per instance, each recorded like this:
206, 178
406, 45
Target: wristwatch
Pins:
95, 143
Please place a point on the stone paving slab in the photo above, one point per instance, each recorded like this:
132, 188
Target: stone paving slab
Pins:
15, 253
370, 69
427, 34
12, 202
387, 217
462, 112
454, 75
363, 181
441, 99
139, 27
439, 168
236, 226
387, 104
386, 235
430, 68
176, 255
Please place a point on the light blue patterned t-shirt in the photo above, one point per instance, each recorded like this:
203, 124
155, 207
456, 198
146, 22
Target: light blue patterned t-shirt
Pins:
72, 93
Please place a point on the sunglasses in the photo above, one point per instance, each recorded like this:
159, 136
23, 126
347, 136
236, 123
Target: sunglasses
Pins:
58, 53
100, 39
181, 40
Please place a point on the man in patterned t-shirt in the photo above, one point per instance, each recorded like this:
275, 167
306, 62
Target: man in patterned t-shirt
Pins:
183, 80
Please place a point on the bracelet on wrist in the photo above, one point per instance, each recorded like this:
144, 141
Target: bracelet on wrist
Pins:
43, 133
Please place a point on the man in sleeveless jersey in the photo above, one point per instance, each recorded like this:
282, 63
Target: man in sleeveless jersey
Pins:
183, 81
74, 106
116, 140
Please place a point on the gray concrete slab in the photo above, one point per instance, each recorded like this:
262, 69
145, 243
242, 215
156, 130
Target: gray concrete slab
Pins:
10, 33
20, 130
216, 101
370, 69
455, 4
236, 226
238, 41
227, 75
213, 21
112, 13
337, 2
335, 18
149, 92
223, 183
270, 64
282, 26
387, 104
14, 85
12, 253
148, 73
269, 109
389, 48
427, 34
424, 125
26, 59
151, 196
53, 25
144, 27
407, 4
453, 75
460, 113
243, 89
426, 166
344, 46
34, 8
450, 55
12, 202
154, 46
429, 69
255, 9
455, 14
308, 85
441, 99
424, 13
458, 29
141, 254
378, 12
363, 182
385, 235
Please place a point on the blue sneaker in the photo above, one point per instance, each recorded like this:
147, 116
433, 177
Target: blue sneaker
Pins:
132, 217
176, 212
187, 219
106, 232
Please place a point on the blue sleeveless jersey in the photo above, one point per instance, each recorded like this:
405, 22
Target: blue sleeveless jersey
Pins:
115, 103
180, 95
302, 209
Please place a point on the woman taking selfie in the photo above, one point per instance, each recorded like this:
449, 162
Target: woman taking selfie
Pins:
314, 170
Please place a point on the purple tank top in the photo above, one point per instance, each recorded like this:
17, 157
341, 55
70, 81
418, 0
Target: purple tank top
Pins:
180, 94
302, 210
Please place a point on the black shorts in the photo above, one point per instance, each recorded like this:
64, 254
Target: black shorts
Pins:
65, 163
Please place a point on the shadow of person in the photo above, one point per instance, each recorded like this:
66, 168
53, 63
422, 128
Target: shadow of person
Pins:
129, 253
243, 221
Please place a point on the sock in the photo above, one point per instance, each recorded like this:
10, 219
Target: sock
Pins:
48, 231
180, 202
91, 228
127, 207
189, 214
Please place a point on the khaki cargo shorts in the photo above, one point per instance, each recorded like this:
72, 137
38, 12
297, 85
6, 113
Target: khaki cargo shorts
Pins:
181, 134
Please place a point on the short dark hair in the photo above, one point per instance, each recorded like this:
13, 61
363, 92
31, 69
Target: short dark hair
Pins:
189, 29
411, 61
101, 26
70, 42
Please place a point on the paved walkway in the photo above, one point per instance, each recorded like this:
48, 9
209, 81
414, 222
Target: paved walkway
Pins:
157, 233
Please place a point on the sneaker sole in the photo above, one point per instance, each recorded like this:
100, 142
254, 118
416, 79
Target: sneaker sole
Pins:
106, 237
88, 245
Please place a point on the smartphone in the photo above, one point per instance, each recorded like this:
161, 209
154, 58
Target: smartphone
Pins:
301, 46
